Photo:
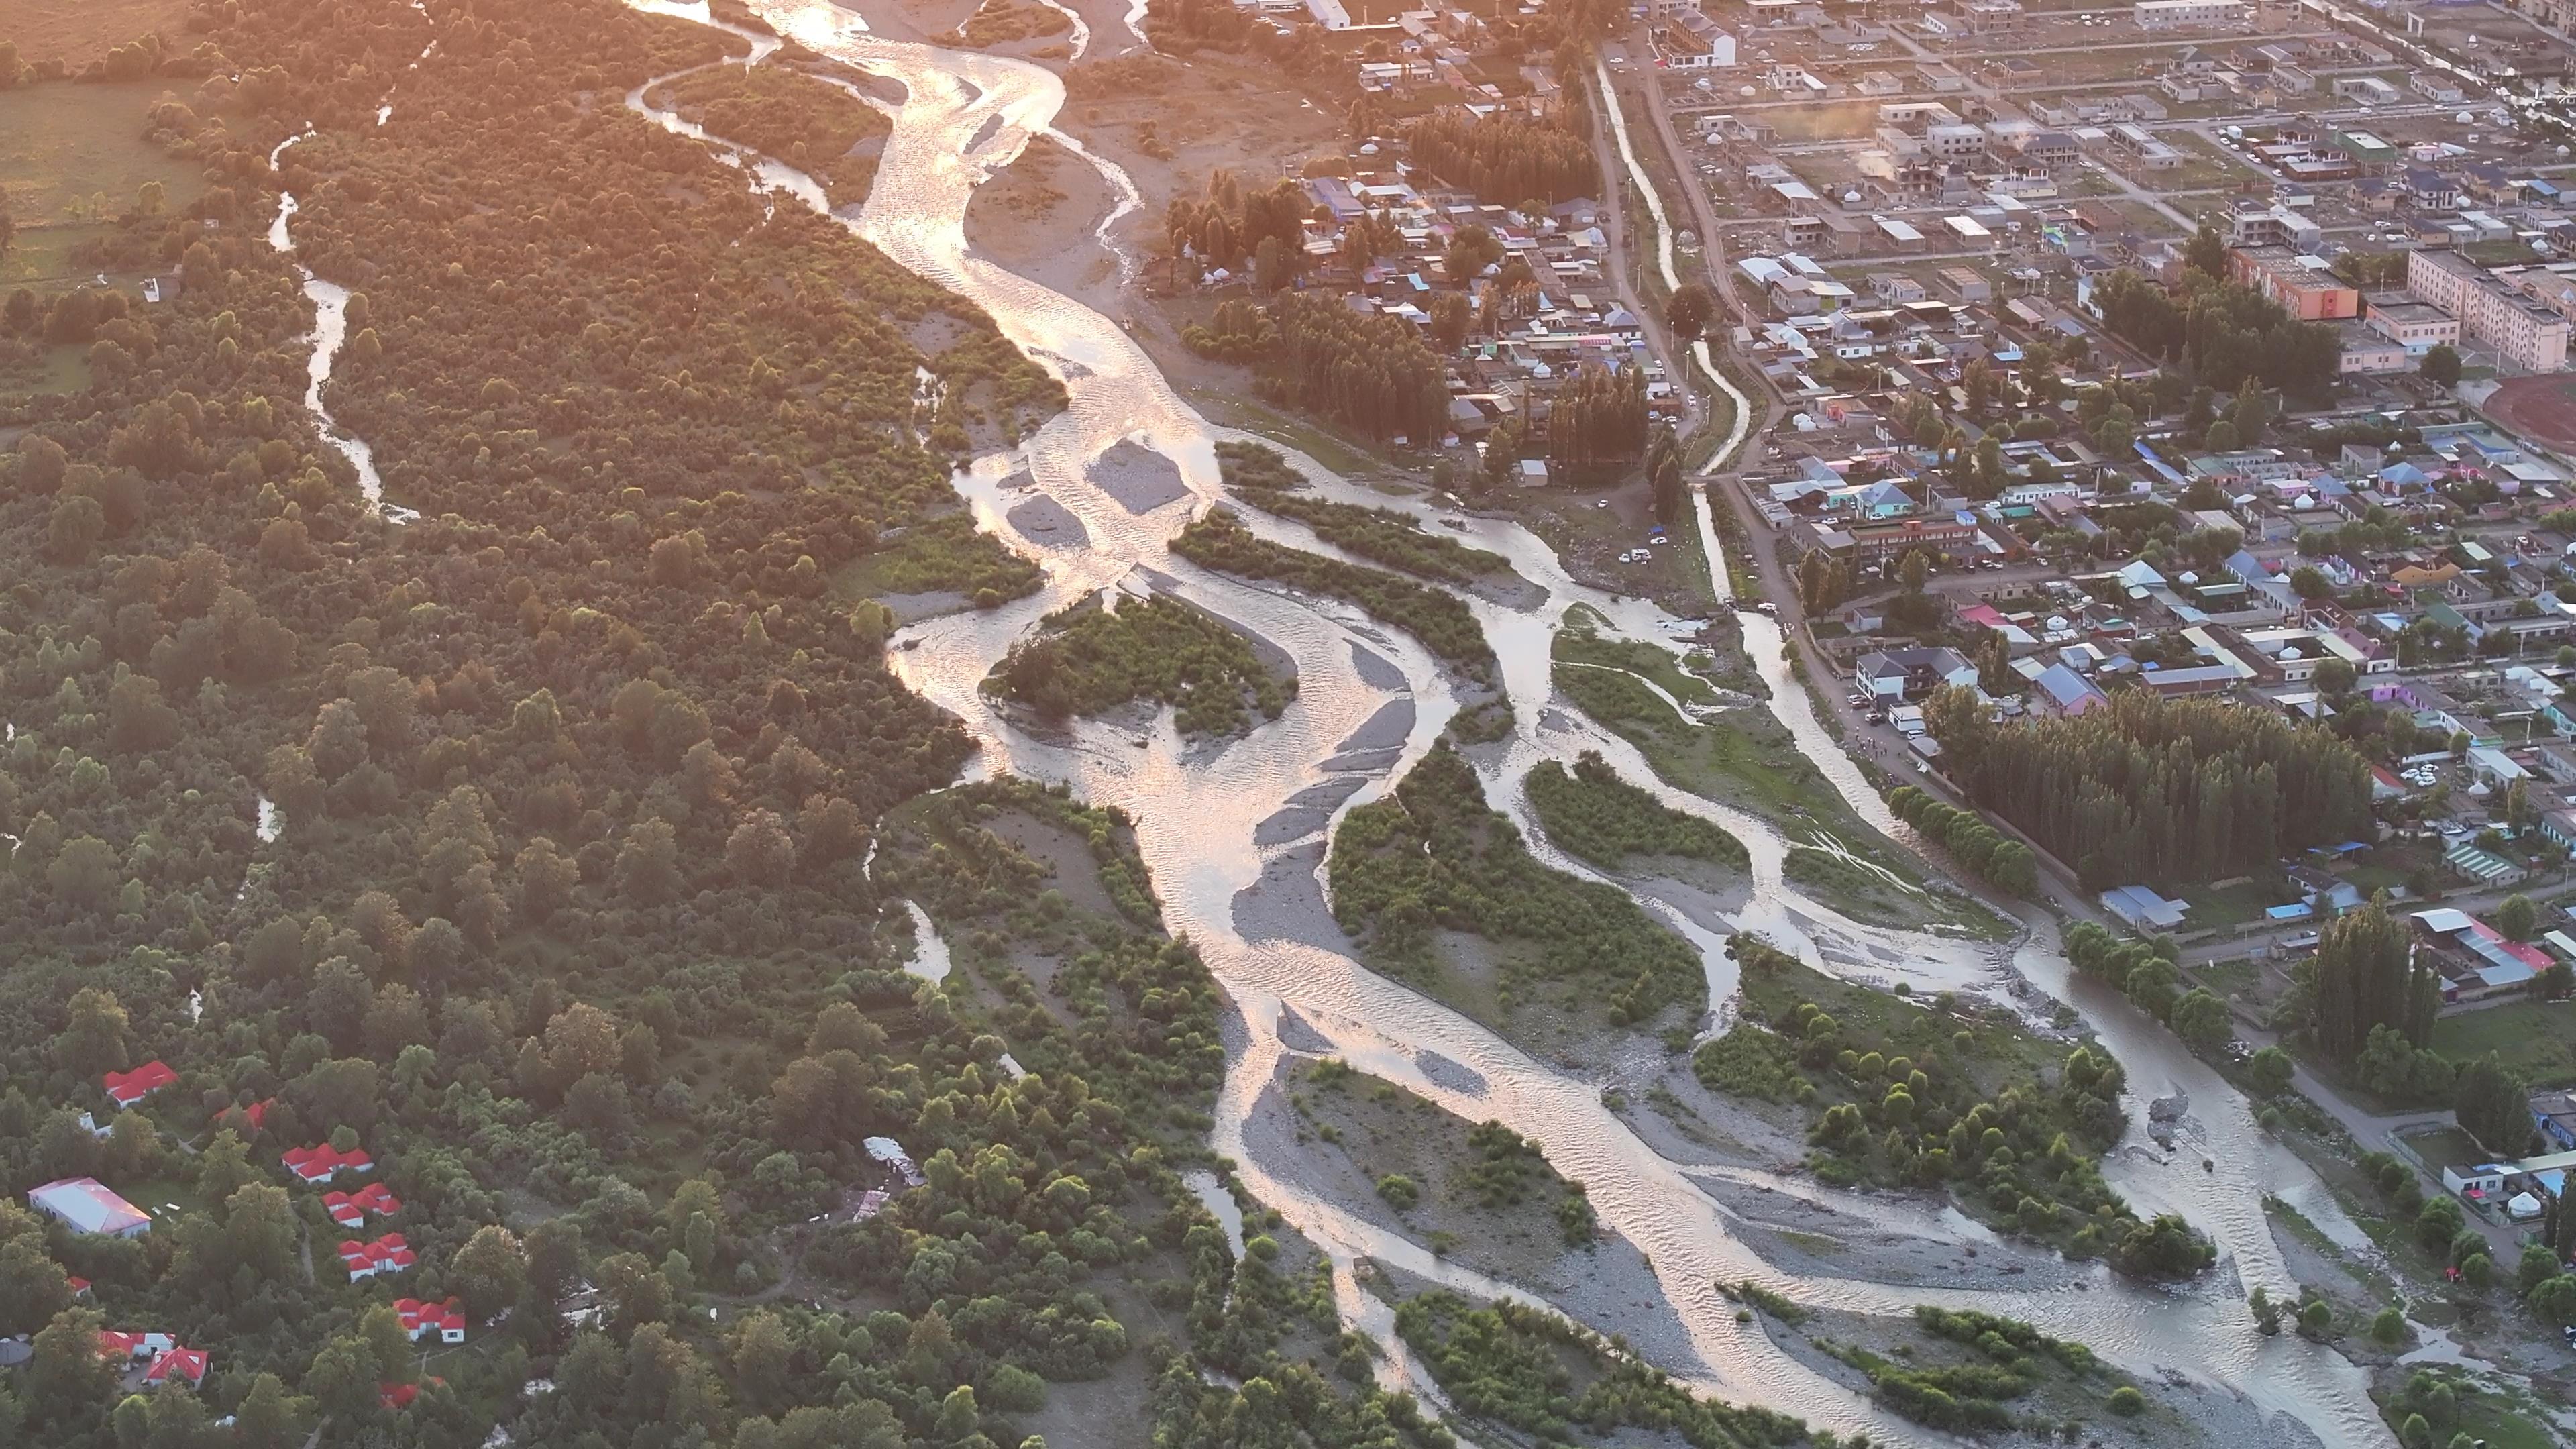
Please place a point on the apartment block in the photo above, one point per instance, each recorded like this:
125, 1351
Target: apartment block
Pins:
2187, 14
2412, 325
2304, 290
2524, 331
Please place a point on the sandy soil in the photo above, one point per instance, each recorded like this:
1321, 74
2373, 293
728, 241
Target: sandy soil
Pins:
1140, 479
1382, 1129
1046, 521
1068, 860
1037, 217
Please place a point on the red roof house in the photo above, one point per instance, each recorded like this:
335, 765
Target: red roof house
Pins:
187, 1364
112, 1344
349, 1209
420, 1320
321, 1164
388, 1254
397, 1396
78, 1284
127, 1088
254, 1116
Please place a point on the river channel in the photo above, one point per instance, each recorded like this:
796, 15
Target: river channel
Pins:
1373, 696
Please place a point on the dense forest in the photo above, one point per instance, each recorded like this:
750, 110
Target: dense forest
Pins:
1088, 658
1372, 373
1261, 477
562, 915
1431, 857
1503, 157
2156, 790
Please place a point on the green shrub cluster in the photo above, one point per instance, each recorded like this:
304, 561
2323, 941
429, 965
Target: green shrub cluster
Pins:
1897, 1096
1432, 856
1531, 1370
1087, 658
1600, 818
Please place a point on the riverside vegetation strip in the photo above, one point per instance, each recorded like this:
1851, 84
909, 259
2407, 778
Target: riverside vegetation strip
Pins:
1444, 623
1088, 658
567, 922
1261, 477
1897, 1094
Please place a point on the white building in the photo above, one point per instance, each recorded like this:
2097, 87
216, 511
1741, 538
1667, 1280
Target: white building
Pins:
2528, 333
2187, 14
86, 1206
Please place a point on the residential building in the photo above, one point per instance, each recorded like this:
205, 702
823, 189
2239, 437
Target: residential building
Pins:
1898, 674
321, 1164
127, 1088
84, 1205
2188, 14
2274, 226
2306, 291
2366, 352
2058, 690
2365, 90
2525, 332
2412, 325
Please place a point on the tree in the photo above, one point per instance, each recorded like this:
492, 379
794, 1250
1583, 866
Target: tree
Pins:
2366, 976
489, 1271
2335, 677
2270, 1071
2517, 917
2221, 437
93, 1040
269, 1416
2206, 253
2200, 1019
1689, 310
66, 1374
2492, 1106
2441, 365
85, 872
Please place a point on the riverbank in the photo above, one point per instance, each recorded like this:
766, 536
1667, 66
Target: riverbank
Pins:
1039, 217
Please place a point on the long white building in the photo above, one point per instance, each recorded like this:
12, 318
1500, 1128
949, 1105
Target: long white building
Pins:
2187, 14
2524, 331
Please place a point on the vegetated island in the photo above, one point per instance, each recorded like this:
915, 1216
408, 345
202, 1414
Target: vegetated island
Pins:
1477, 1193
1442, 892
1599, 818
1261, 477
1981, 1375
1090, 657
1746, 758
1532, 1372
1444, 624
811, 124
1895, 1093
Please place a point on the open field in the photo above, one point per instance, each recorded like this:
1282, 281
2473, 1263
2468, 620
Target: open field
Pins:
2535, 1039
2543, 408
62, 149
80, 31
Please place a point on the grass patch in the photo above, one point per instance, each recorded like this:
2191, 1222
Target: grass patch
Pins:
2536, 1039
1603, 819
73, 159
1432, 856
2445, 1147
77, 32
945, 554
1087, 659
1381, 535
811, 126
2222, 910
1855, 890
1444, 624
